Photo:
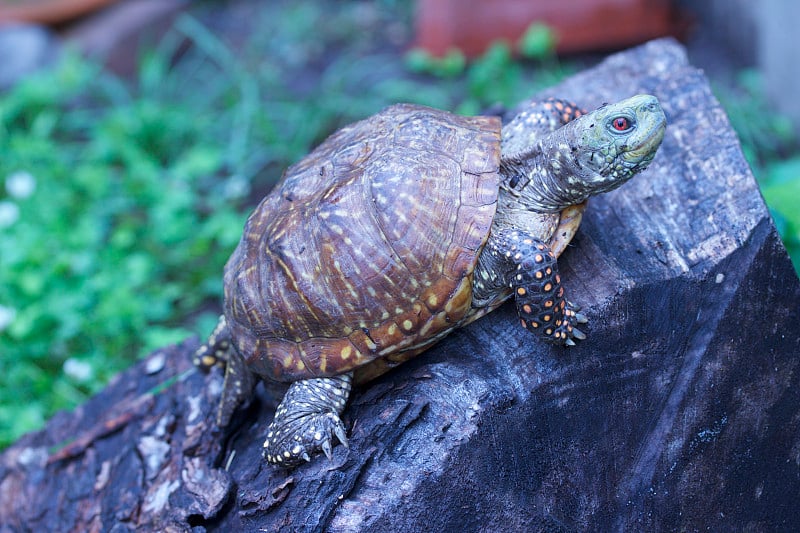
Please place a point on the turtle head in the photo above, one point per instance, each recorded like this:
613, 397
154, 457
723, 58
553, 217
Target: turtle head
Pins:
616, 141
589, 155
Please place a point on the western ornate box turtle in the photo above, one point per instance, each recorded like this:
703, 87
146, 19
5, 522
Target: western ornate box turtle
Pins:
400, 228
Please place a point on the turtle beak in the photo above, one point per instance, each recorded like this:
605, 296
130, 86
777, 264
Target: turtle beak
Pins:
651, 124
648, 145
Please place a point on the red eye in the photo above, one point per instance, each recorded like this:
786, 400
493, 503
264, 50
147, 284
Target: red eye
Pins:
621, 124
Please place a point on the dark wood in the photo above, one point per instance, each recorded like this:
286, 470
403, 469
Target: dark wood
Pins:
680, 412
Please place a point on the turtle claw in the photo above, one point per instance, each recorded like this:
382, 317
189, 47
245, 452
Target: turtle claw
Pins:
307, 421
573, 309
327, 449
332, 427
297, 443
574, 317
340, 433
578, 334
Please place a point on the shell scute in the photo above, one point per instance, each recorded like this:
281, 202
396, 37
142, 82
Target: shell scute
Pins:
366, 247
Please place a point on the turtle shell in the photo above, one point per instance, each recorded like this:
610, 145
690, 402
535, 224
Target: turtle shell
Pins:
366, 248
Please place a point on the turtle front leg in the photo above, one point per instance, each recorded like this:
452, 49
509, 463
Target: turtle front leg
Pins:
307, 419
531, 271
239, 383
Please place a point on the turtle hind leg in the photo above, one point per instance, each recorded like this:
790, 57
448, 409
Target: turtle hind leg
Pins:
239, 383
214, 352
307, 420
238, 387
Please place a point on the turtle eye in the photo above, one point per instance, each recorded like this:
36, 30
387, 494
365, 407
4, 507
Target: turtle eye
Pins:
621, 124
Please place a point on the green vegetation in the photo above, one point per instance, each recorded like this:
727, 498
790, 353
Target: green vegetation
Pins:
497, 76
120, 201
111, 229
771, 147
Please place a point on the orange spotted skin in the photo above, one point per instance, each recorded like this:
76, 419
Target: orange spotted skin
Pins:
537, 120
567, 110
314, 291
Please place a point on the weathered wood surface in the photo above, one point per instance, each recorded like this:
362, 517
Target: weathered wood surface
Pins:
680, 412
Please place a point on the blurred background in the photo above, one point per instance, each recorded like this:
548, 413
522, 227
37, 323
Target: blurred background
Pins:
137, 135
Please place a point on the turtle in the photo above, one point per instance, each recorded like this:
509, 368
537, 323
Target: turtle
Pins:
400, 228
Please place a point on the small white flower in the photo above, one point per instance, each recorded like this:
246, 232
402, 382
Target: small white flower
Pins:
9, 213
78, 370
20, 184
7, 315
236, 187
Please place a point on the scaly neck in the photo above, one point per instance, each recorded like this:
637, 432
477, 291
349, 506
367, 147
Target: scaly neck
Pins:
547, 177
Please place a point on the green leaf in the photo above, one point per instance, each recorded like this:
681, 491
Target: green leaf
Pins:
781, 172
419, 60
783, 193
538, 41
199, 161
158, 336
450, 65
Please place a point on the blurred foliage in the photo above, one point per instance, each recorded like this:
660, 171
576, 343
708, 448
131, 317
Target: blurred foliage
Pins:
121, 200
117, 225
498, 76
772, 148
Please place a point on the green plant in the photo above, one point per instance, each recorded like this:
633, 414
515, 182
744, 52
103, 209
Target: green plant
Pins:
781, 191
771, 147
110, 238
450, 65
497, 76
538, 42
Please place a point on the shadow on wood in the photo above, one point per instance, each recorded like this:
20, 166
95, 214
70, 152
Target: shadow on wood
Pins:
680, 412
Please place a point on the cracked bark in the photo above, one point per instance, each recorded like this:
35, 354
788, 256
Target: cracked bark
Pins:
680, 412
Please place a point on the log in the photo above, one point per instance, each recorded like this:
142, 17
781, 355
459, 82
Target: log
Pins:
681, 411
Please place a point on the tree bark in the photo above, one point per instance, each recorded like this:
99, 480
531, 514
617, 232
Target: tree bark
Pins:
681, 411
